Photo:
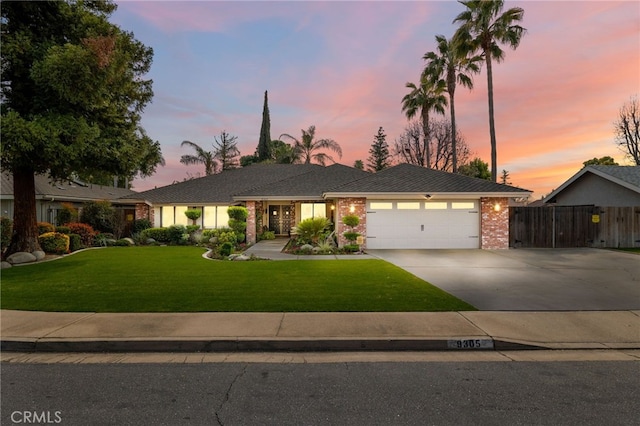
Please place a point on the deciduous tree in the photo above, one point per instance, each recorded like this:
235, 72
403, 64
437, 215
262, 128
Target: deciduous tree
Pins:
627, 130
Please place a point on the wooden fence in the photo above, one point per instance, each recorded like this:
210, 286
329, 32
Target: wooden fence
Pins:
574, 226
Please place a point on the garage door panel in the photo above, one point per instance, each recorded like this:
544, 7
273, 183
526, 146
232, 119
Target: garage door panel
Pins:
424, 228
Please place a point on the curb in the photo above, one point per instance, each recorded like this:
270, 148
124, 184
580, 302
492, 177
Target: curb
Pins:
263, 345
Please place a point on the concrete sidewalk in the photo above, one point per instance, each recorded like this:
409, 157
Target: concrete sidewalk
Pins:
23, 331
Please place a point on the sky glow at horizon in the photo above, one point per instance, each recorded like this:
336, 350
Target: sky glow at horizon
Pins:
342, 66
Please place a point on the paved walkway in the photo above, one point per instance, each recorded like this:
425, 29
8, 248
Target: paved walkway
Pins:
23, 331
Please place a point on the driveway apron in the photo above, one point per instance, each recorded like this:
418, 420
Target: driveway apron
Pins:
528, 279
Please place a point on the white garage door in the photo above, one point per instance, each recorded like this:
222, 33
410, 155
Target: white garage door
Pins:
423, 224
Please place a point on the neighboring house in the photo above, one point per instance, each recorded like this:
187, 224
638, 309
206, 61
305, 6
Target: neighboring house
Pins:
605, 186
404, 206
50, 196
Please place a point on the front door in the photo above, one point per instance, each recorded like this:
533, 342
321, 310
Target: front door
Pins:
280, 219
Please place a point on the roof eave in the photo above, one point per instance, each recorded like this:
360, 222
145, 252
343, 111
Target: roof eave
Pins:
423, 195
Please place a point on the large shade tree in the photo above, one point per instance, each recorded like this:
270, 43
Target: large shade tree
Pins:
307, 149
421, 100
74, 89
483, 28
453, 66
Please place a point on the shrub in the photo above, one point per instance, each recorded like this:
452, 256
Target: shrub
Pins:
63, 229
161, 235
140, 225
6, 228
193, 214
86, 232
351, 220
310, 230
267, 235
226, 249
75, 242
351, 248
177, 233
351, 236
54, 242
122, 243
227, 237
45, 227
67, 214
192, 228
238, 213
98, 214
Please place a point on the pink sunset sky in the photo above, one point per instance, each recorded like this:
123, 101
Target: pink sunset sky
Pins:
342, 66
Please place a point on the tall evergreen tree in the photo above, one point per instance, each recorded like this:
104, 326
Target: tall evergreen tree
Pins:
263, 151
226, 150
74, 88
379, 157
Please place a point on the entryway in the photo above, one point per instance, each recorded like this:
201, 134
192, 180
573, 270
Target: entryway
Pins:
280, 219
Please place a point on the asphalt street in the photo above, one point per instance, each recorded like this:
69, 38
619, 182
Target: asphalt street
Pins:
436, 393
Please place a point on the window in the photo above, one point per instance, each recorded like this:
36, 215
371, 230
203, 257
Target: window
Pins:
436, 205
310, 210
222, 217
414, 205
181, 217
463, 205
167, 216
380, 206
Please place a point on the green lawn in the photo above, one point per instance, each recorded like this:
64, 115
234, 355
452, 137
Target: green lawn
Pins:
178, 279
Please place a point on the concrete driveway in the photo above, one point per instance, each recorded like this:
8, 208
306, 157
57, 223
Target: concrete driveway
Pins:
528, 279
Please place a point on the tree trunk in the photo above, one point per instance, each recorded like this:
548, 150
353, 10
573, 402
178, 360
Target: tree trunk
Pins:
25, 223
425, 130
492, 127
454, 147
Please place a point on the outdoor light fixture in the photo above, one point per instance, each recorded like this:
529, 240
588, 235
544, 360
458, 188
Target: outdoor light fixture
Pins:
496, 207
428, 196
333, 207
352, 208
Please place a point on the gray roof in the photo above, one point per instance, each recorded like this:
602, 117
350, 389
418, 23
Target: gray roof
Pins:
311, 185
311, 181
407, 178
222, 187
628, 174
66, 190
625, 176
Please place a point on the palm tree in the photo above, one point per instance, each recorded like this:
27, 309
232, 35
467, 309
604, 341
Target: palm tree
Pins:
306, 149
483, 28
423, 99
453, 66
202, 157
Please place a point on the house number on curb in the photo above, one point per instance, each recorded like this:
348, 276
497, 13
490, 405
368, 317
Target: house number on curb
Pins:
470, 344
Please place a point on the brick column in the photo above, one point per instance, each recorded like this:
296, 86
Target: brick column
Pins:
343, 208
251, 233
494, 228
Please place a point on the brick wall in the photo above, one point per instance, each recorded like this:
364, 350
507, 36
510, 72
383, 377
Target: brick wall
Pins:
494, 232
343, 208
144, 211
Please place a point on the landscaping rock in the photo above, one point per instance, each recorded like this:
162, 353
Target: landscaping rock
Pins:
130, 241
39, 254
238, 256
306, 247
21, 257
316, 250
5, 265
150, 241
